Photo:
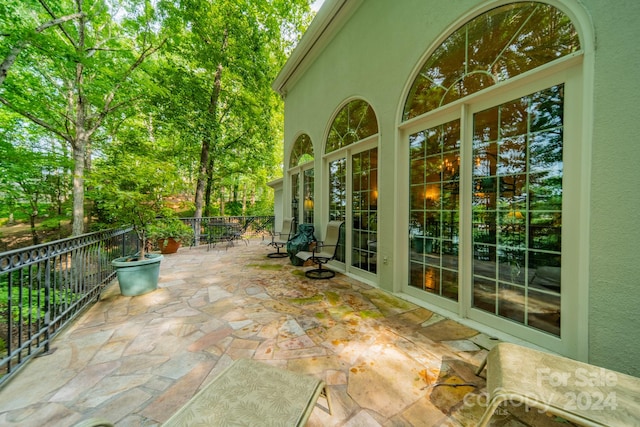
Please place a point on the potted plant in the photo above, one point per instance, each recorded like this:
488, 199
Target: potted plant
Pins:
129, 192
169, 233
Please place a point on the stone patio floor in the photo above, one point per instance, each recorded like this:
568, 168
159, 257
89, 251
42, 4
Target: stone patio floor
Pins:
136, 360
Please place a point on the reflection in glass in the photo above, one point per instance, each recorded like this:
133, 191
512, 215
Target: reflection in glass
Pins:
354, 122
544, 311
495, 46
517, 209
545, 190
295, 180
337, 190
513, 152
364, 176
307, 202
512, 302
435, 206
302, 151
484, 294
338, 196
546, 231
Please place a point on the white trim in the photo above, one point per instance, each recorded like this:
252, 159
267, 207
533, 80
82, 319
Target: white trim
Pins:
480, 327
548, 69
573, 68
347, 152
573, 332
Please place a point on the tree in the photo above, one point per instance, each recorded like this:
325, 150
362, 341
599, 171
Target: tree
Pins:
22, 38
129, 189
34, 168
69, 81
225, 55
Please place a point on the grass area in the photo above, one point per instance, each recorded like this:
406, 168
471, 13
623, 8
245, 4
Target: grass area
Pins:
19, 235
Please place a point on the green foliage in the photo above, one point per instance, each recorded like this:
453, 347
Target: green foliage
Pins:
99, 96
35, 169
69, 79
233, 209
50, 224
165, 228
261, 208
215, 78
30, 305
128, 190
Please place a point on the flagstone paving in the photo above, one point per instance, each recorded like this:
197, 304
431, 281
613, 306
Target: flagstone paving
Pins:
136, 360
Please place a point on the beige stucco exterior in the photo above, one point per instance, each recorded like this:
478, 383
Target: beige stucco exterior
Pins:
371, 50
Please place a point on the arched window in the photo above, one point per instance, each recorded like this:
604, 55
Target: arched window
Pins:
352, 155
301, 165
495, 46
302, 151
354, 122
487, 176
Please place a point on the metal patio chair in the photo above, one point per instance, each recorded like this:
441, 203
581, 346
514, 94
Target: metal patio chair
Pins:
279, 239
323, 252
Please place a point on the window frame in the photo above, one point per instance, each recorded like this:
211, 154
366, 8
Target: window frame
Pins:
569, 71
299, 170
347, 152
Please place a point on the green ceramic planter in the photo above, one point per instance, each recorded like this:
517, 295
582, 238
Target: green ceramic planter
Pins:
137, 277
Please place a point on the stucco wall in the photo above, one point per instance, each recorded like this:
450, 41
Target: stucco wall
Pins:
614, 300
370, 58
373, 57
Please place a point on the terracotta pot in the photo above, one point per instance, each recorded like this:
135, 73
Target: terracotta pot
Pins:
168, 246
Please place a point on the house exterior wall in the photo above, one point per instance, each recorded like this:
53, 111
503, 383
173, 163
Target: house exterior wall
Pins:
278, 204
614, 279
374, 56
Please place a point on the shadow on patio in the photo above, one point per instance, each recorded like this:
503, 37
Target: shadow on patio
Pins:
136, 360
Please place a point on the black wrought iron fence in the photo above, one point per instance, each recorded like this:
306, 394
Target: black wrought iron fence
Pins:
44, 287
249, 226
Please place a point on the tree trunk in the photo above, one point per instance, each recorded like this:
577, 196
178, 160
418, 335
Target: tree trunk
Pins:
34, 233
207, 194
32, 221
202, 177
205, 171
88, 209
244, 200
222, 201
10, 59
78, 189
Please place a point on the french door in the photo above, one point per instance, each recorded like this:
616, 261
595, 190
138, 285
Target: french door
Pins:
485, 204
353, 198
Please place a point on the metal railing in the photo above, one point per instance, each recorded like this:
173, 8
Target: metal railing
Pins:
44, 287
250, 226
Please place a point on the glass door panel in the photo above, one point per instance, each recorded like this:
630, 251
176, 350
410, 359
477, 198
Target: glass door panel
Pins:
364, 242
294, 196
435, 209
338, 197
307, 204
517, 209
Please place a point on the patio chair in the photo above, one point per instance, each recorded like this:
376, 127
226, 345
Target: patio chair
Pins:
279, 239
323, 252
584, 394
219, 232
